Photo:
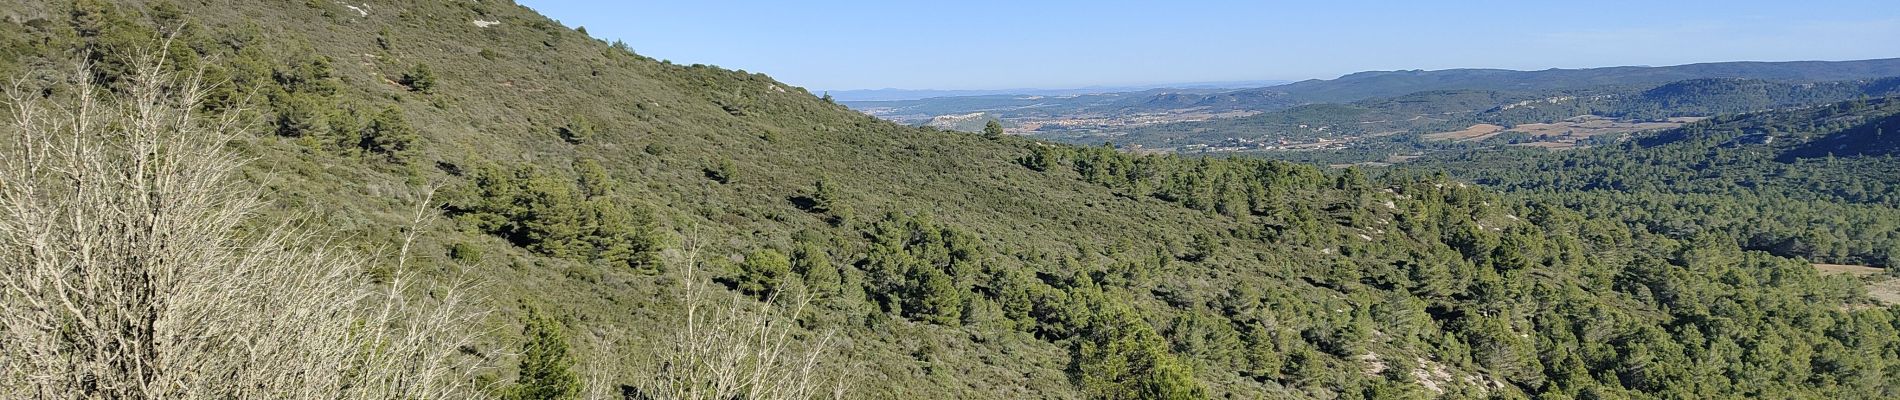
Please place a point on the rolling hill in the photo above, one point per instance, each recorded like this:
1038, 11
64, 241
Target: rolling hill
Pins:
1428, 112
877, 95
1814, 182
1171, 119
580, 181
1373, 84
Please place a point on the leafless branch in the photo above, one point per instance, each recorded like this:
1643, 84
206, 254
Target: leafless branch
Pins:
128, 269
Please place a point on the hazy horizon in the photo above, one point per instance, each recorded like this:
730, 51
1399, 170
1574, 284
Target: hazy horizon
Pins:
990, 45
1286, 81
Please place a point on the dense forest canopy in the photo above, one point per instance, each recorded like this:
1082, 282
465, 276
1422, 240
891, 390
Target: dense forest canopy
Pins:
580, 181
1817, 182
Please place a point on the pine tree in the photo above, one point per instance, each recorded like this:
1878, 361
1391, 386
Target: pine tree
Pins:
576, 131
420, 79
762, 272
1263, 356
821, 277
934, 296
547, 366
594, 180
721, 171
300, 115
825, 199
390, 135
1042, 157
1121, 357
1201, 247
993, 130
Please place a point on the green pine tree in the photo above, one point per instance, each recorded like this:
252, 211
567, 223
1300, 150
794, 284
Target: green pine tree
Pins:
1121, 357
390, 135
576, 131
547, 366
420, 79
993, 130
763, 272
821, 277
934, 296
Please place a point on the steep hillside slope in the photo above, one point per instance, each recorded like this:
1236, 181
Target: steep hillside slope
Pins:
578, 177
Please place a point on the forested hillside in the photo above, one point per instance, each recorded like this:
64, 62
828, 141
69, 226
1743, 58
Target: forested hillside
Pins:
580, 182
1435, 111
1691, 98
1816, 182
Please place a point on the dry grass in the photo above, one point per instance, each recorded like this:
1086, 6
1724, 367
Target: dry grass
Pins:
1886, 291
1855, 270
130, 268
1883, 288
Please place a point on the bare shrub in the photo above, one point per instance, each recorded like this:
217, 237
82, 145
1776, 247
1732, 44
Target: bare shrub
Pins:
739, 350
132, 266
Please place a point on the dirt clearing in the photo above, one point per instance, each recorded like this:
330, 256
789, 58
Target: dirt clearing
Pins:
1475, 132
1589, 125
1882, 287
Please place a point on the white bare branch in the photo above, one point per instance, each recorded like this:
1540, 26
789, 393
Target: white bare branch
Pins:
131, 266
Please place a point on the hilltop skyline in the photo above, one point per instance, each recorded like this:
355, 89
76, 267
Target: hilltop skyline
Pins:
1063, 44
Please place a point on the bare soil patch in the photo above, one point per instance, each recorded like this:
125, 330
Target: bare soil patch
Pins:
1550, 145
1475, 132
1570, 133
1883, 288
1590, 125
1855, 270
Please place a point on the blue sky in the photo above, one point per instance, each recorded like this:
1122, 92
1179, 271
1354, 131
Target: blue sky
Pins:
982, 44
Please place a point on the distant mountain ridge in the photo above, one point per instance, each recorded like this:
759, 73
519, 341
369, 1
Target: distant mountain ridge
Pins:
1373, 84
1017, 106
893, 94
1700, 89
1433, 111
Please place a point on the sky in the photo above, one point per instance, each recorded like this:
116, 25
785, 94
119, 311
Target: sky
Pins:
984, 44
